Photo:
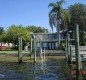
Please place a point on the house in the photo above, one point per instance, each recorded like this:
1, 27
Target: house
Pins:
49, 41
3, 46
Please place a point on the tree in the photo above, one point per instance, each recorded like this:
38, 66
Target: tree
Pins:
3, 37
13, 32
1, 30
36, 29
78, 15
1, 33
58, 17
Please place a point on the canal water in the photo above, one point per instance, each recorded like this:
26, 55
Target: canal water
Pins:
51, 69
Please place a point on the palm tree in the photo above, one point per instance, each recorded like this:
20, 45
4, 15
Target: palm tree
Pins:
58, 17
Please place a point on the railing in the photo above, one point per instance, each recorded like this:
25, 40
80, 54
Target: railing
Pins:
82, 50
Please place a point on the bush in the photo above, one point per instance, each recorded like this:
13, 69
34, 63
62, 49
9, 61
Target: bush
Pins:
15, 48
63, 46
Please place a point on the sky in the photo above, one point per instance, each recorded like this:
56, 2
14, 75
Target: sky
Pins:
28, 12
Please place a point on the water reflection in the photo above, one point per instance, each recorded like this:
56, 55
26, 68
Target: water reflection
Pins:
15, 71
52, 69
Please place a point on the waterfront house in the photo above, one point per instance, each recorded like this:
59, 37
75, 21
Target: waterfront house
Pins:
49, 41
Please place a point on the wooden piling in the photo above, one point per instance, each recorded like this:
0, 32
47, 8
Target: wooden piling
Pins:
68, 48
31, 48
40, 49
44, 54
34, 48
66, 57
70, 54
59, 36
78, 60
20, 50
31, 45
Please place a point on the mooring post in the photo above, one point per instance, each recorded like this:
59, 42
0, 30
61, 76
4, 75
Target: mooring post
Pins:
68, 47
70, 54
78, 59
20, 50
59, 37
31, 45
40, 49
34, 48
32, 53
58, 24
44, 55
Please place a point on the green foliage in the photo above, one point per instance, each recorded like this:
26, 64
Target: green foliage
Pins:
62, 46
3, 37
66, 19
13, 32
57, 14
78, 15
1, 33
54, 14
36, 29
1, 30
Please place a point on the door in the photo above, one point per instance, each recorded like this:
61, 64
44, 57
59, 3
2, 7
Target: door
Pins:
56, 45
51, 45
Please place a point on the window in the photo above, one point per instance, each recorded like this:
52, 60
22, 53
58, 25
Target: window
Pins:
56, 45
38, 44
52, 36
44, 44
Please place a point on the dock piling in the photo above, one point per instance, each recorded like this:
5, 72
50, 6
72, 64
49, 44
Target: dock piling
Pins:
20, 50
78, 59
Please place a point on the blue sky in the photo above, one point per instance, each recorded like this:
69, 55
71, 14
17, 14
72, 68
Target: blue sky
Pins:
28, 12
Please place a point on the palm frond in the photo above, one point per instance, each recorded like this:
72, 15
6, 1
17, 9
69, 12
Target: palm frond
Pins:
52, 5
50, 23
67, 16
61, 2
53, 10
53, 20
56, 13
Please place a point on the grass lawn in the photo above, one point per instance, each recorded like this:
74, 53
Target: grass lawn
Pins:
27, 59
13, 51
14, 59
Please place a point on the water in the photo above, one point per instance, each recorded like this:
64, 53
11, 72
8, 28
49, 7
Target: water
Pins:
15, 71
53, 69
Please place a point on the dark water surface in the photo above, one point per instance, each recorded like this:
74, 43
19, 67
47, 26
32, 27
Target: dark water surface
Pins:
52, 69
15, 71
